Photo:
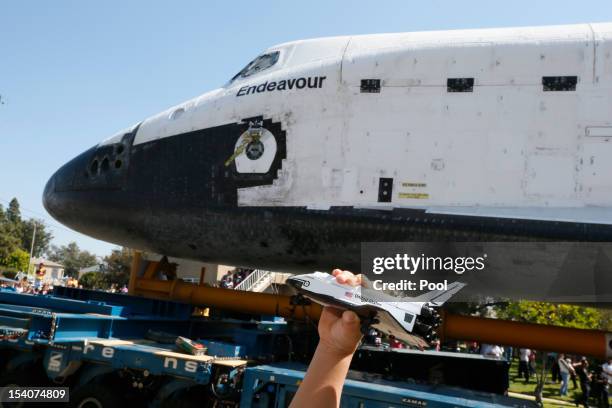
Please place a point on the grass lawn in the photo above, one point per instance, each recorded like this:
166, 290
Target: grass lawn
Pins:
551, 390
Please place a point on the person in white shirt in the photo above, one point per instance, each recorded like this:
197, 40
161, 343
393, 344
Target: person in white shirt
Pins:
523, 367
490, 350
566, 370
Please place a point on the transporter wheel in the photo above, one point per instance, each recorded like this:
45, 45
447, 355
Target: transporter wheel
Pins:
96, 395
26, 375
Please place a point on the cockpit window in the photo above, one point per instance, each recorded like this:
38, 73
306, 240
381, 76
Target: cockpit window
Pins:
259, 64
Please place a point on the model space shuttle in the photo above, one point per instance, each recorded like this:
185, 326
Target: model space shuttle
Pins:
316, 146
410, 319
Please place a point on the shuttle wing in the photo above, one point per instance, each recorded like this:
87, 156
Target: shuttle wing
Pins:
388, 324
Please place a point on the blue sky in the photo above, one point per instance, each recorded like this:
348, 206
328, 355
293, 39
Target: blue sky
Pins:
74, 72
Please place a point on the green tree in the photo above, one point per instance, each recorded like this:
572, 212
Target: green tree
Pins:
43, 237
13, 218
16, 260
16, 232
8, 240
607, 320
118, 266
578, 317
72, 258
93, 280
13, 212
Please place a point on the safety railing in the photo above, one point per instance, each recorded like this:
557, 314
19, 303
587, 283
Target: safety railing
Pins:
252, 280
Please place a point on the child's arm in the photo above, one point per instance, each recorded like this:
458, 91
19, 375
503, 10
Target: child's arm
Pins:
339, 336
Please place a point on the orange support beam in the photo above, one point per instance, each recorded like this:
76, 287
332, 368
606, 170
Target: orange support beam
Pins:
151, 270
135, 267
535, 336
491, 331
202, 275
227, 299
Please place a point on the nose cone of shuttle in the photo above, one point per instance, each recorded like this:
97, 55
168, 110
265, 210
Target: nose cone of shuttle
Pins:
49, 197
85, 193
92, 192
63, 197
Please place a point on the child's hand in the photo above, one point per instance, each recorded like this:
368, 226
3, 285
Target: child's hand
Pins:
339, 334
339, 331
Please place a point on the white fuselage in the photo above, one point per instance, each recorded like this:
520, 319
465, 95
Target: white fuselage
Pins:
507, 145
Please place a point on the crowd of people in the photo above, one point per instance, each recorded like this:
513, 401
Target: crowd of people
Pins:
377, 339
563, 368
114, 288
23, 285
35, 287
594, 384
234, 277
